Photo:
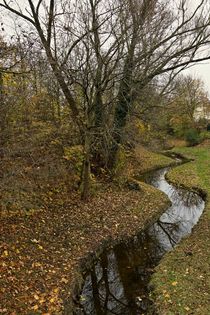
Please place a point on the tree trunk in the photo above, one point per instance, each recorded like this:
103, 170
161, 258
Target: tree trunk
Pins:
85, 182
122, 107
3, 112
1, 85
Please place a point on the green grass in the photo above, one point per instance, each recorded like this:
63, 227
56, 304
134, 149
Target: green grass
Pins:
149, 161
201, 165
182, 282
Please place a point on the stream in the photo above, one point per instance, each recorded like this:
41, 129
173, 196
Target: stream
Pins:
119, 282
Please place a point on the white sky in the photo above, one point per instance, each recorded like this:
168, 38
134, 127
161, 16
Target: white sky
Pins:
201, 70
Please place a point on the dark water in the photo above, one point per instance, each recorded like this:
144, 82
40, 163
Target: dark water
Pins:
119, 282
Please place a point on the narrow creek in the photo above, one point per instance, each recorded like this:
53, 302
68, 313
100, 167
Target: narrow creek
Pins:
119, 282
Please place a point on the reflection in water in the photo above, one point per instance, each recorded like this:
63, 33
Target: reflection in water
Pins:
180, 218
118, 283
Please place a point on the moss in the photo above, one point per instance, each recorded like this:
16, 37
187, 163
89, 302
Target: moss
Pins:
120, 161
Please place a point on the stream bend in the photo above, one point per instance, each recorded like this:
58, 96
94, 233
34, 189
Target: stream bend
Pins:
119, 282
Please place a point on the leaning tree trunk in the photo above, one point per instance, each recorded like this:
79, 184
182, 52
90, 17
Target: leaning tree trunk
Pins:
122, 107
98, 109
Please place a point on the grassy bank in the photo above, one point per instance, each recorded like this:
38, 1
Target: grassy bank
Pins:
48, 234
182, 280
143, 161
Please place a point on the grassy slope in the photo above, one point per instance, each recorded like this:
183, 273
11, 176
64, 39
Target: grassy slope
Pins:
182, 280
148, 161
145, 161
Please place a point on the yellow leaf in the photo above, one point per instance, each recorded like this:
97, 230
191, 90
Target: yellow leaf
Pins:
174, 283
56, 290
36, 297
35, 241
64, 280
187, 308
5, 253
40, 247
52, 300
35, 307
37, 264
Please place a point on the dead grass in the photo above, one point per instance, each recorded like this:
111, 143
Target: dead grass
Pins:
178, 143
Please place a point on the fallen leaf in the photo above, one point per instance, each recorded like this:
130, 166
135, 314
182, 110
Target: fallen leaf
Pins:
64, 280
5, 253
36, 297
35, 307
174, 283
35, 241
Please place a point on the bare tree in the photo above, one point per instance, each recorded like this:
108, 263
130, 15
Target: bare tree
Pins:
103, 52
162, 40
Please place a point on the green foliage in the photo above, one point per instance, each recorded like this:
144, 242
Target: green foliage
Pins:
180, 125
205, 135
192, 137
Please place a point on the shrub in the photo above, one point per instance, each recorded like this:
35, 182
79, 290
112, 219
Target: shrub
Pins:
192, 137
75, 156
205, 135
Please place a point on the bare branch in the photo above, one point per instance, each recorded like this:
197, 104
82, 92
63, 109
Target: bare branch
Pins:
20, 14
50, 21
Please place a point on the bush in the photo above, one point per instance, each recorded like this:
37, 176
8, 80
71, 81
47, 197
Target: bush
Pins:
75, 156
204, 135
208, 127
192, 137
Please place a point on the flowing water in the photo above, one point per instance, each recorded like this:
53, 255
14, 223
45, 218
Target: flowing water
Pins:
119, 282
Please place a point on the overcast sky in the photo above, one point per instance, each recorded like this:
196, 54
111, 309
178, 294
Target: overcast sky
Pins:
201, 71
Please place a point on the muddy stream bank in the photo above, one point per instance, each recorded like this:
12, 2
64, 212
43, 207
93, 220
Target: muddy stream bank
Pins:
119, 282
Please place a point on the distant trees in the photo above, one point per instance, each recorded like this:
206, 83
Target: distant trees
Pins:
189, 95
7, 61
187, 99
103, 54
